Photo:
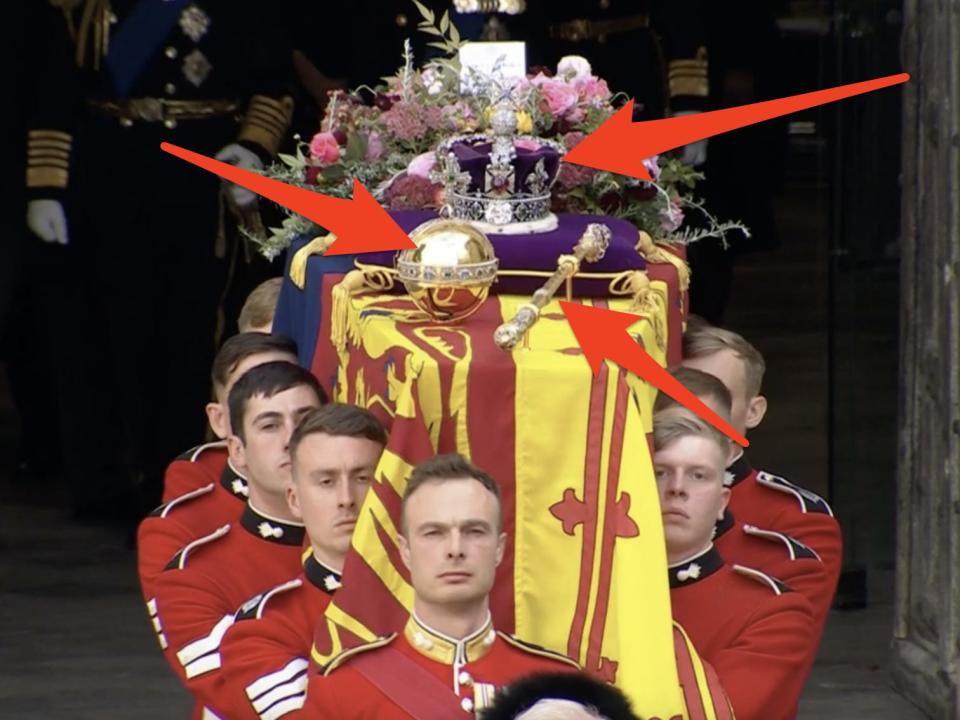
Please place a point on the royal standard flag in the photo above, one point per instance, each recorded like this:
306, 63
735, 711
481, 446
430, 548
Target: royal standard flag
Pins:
585, 573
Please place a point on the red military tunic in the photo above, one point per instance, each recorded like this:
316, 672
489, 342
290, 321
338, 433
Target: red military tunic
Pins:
386, 678
770, 502
779, 555
753, 629
266, 652
173, 525
198, 595
196, 468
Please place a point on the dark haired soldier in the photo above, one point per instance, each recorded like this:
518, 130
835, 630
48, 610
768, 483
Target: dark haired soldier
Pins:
203, 488
266, 653
203, 585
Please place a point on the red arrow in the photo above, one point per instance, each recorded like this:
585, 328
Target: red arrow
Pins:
602, 335
603, 149
360, 224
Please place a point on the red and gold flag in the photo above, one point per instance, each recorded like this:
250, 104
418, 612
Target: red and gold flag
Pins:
585, 573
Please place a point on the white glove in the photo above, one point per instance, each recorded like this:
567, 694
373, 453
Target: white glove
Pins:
238, 155
47, 221
695, 153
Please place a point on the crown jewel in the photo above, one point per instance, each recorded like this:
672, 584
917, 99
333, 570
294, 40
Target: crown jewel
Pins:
499, 180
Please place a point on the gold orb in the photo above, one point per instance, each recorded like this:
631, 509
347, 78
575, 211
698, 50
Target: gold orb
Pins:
449, 273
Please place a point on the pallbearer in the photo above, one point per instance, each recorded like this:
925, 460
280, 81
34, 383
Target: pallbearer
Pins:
448, 659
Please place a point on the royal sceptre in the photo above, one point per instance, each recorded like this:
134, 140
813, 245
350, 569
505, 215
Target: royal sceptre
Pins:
590, 248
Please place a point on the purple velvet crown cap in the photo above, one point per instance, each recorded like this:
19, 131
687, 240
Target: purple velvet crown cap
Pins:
474, 158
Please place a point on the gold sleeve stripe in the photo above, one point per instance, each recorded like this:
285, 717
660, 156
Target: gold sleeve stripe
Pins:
51, 154
689, 86
48, 162
50, 135
689, 75
269, 114
49, 144
266, 121
38, 177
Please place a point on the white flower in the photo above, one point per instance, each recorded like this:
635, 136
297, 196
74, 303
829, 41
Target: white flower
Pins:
574, 67
431, 81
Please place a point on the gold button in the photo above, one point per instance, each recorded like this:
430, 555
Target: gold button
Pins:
113, 18
170, 124
170, 52
466, 704
126, 122
464, 678
401, 20
169, 88
604, 4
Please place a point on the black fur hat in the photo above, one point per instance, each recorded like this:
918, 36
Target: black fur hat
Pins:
605, 700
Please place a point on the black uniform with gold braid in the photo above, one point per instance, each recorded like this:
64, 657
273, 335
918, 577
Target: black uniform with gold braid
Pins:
147, 224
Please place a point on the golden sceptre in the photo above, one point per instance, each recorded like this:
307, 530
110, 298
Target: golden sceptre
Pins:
590, 248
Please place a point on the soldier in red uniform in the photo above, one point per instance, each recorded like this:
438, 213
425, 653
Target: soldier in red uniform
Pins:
203, 489
266, 653
448, 660
771, 551
204, 584
759, 498
753, 629
237, 355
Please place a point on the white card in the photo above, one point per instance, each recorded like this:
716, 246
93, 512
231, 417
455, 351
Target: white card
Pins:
508, 59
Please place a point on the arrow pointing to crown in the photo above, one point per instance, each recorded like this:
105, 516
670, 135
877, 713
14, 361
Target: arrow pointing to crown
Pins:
620, 145
360, 224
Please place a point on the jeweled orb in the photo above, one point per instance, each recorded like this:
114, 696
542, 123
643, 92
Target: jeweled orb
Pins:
449, 273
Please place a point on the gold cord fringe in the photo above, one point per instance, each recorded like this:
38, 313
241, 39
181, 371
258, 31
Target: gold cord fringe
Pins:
656, 254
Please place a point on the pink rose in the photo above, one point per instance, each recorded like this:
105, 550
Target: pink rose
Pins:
422, 165
324, 148
374, 146
559, 96
592, 90
526, 144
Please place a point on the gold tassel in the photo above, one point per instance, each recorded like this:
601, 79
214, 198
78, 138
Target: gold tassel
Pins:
652, 252
298, 263
647, 301
341, 295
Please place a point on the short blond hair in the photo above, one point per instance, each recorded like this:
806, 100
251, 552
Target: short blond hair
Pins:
673, 423
260, 305
701, 384
702, 339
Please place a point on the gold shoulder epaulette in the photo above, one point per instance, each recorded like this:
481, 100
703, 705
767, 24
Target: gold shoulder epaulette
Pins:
340, 659
537, 650
267, 121
761, 577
